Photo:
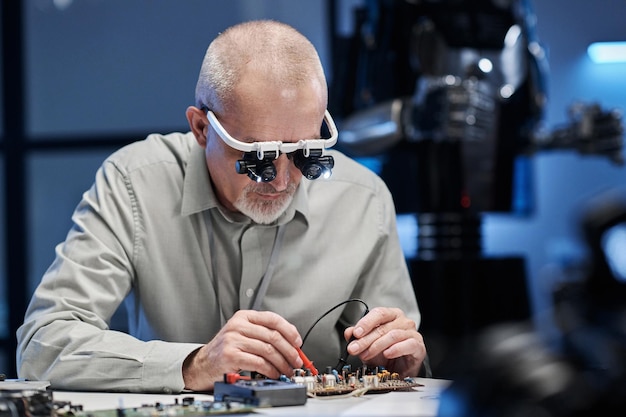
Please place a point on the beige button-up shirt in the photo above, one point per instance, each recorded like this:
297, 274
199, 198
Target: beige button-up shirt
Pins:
151, 233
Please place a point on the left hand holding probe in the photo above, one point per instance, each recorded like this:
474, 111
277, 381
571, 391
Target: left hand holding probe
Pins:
386, 337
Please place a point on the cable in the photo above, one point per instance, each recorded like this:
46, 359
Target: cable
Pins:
343, 360
351, 300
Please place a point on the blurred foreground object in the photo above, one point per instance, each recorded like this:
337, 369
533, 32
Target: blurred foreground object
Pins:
513, 372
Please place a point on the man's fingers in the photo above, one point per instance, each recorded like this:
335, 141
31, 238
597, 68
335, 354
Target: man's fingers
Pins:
268, 343
264, 336
273, 321
393, 344
375, 318
379, 322
263, 358
262, 342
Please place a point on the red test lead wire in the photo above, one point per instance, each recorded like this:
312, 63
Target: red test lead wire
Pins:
307, 363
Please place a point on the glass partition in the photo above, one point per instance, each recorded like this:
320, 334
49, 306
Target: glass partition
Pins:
56, 182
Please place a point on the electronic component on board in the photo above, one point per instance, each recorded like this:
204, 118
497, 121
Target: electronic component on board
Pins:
329, 380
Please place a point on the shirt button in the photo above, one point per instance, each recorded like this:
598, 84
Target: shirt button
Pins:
249, 292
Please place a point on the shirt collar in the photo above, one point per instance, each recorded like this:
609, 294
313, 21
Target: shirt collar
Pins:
198, 193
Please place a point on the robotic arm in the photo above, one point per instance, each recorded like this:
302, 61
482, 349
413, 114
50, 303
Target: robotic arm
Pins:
461, 85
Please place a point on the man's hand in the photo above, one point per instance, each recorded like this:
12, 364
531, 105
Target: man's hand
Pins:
386, 337
256, 341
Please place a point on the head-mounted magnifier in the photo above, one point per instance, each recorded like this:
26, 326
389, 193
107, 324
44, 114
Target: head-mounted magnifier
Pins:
257, 162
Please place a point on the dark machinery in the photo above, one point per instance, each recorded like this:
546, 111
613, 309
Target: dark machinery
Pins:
450, 95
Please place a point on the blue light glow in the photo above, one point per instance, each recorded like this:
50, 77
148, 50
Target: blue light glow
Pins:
607, 52
614, 245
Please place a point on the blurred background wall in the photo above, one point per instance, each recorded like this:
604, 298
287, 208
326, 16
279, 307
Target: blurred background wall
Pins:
96, 74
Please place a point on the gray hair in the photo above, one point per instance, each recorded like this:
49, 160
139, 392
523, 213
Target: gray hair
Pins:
274, 49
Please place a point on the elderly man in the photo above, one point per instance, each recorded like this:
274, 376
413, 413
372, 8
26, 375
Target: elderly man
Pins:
223, 253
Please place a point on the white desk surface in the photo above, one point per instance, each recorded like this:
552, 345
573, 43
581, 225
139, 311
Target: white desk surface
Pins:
423, 401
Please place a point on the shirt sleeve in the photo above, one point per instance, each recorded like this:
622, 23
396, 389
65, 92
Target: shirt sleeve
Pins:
65, 338
386, 281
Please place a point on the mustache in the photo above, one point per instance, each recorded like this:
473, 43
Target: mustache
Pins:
268, 188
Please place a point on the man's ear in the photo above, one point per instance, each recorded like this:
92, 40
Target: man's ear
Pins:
198, 123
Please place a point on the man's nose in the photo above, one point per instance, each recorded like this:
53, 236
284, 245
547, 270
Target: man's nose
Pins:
283, 165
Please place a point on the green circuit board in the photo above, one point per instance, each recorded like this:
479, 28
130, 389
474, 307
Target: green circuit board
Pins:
189, 407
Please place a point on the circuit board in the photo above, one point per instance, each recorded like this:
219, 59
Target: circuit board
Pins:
341, 389
189, 407
248, 388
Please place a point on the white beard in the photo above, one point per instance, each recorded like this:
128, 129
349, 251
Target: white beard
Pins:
264, 212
